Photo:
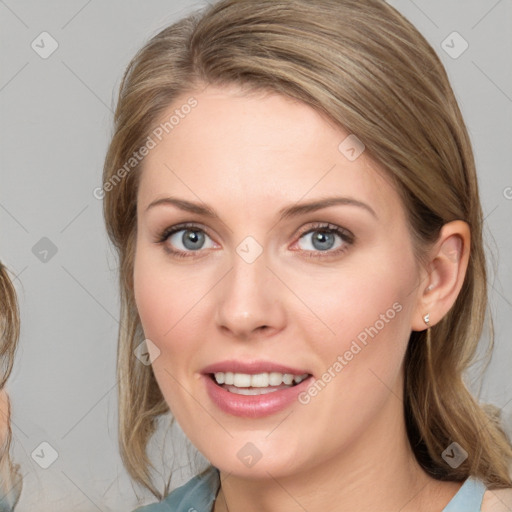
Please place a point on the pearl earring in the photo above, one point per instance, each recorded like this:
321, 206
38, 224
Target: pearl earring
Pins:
426, 319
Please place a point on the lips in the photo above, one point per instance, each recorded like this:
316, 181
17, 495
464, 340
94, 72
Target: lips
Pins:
247, 401
252, 367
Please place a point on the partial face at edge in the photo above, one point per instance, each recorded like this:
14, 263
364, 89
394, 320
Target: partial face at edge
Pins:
316, 291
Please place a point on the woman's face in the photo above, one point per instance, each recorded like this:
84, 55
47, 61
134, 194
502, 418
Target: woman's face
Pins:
251, 290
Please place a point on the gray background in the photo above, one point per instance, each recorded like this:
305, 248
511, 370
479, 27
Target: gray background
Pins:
55, 121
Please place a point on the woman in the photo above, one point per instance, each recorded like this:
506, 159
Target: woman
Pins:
292, 194
10, 480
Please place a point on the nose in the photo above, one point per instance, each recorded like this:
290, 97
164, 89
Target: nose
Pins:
249, 301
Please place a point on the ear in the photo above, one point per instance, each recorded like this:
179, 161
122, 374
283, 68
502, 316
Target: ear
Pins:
444, 274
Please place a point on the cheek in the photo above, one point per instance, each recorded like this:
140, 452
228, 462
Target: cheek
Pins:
161, 306
163, 295
150, 297
365, 314
171, 311
369, 313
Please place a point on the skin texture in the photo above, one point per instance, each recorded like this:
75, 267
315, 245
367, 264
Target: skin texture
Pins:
248, 156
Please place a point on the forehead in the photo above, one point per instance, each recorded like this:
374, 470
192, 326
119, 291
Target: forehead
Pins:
234, 149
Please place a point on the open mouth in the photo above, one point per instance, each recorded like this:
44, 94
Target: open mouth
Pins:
256, 384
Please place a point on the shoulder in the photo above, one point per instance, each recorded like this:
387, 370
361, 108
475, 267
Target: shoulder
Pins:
497, 500
197, 494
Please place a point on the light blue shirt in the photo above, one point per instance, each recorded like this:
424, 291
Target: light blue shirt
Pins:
198, 495
10, 491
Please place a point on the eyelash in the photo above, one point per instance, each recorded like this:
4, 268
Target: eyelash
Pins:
347, 237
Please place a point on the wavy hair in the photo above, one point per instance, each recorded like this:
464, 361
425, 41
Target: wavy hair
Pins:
10, 477
370, 71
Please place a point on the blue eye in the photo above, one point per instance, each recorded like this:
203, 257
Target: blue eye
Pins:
326, 240
187, 239
323, 240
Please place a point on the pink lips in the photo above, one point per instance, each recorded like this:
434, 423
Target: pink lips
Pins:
252, 406
252, 367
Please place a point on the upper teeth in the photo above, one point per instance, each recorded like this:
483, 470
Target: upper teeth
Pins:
259, 380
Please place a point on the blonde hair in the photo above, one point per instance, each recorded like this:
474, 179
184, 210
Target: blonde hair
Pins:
368, 69
10, 477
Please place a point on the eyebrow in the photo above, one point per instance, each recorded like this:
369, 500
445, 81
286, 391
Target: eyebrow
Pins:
285, 213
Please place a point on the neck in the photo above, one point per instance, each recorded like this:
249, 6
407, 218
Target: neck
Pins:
377, 472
